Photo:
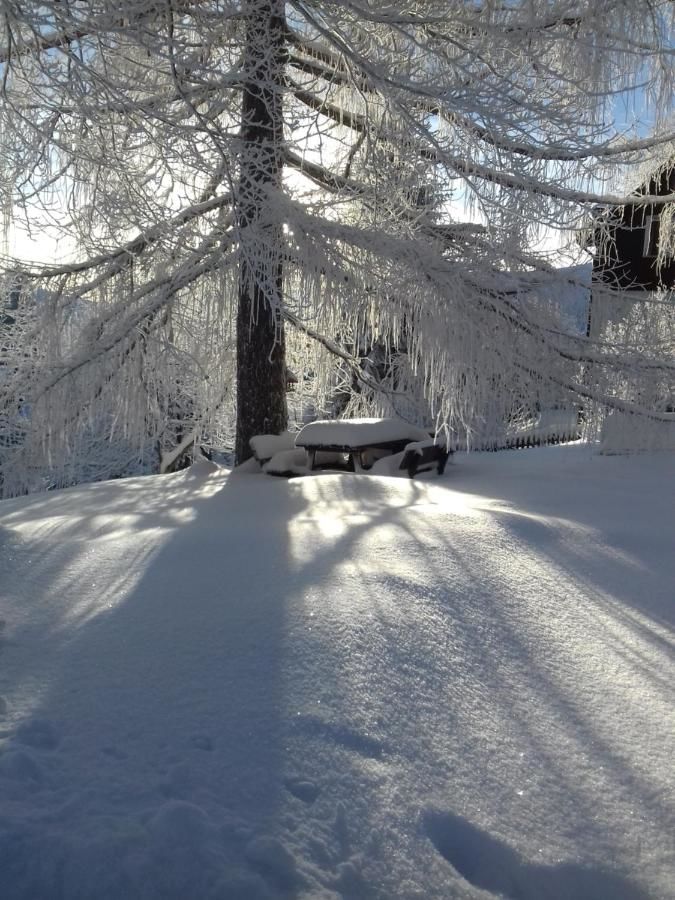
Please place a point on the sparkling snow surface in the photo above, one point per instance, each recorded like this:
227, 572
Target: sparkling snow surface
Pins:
343, 685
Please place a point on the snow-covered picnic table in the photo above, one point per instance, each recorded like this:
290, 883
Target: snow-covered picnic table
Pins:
366, 440
326, 443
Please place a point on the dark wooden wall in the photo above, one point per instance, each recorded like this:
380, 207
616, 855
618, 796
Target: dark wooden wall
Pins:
626, 240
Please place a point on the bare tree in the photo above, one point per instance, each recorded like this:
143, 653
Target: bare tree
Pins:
302, 164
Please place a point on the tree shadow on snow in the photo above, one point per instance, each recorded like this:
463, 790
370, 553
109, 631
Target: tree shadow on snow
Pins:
616, 532
150, 766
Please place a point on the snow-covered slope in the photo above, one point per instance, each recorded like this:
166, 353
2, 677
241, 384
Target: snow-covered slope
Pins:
347, 686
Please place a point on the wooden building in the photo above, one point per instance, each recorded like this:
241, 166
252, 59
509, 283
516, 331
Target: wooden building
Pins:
627, 240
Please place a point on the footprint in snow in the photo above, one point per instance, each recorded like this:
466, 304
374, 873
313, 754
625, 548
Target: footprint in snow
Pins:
350, 738
489, 863
304, 790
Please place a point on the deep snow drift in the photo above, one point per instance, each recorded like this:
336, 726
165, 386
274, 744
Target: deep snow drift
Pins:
352, 686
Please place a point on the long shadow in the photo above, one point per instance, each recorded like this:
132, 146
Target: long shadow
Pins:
494, 679
54, 548
151, 763
620, 539
544, 708
519, 673
511, 688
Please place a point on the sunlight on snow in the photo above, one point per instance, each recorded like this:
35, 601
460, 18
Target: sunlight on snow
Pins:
339, 506
102, 587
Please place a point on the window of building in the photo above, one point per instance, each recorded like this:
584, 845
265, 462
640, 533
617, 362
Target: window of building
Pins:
650, 246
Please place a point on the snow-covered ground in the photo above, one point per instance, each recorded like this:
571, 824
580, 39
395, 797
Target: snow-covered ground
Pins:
349, 686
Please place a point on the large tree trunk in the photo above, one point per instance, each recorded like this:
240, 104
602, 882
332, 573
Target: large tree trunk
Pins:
261, 365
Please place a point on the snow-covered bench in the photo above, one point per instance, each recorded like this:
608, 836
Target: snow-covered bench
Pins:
265, 446
422, 456
278, 455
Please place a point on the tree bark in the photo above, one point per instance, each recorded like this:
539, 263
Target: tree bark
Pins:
261, 363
